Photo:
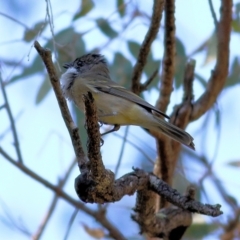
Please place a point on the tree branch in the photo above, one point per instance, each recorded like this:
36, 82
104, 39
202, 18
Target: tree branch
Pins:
13, 127
213, 14
220, 72
146, 45
95, 214
163, 166
72, 129
168, 66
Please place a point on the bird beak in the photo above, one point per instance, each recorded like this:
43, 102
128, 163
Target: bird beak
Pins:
67, 65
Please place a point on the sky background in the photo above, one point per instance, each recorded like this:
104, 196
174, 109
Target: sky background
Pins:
44, 139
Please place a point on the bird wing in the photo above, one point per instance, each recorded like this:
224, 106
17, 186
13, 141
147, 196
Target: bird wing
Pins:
113, 88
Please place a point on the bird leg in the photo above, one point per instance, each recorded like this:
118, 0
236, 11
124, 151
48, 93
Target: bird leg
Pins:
115, 128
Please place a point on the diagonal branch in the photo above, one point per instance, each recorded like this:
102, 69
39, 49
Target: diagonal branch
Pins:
146, 45
220, 72
72, 129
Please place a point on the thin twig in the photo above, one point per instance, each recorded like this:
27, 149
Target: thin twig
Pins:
49, 17
145, 85
137, 147
188, 81
124, 141
146, 45
220, 72
14, 20
213, 14
14, 130
71, 220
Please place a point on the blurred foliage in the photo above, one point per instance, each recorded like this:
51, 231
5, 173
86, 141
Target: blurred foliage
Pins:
30, 34
106, 28
85, 7
43, 90
198, 231
236, 18
121, 70
234, 75
151, 65
121, 7
180, 63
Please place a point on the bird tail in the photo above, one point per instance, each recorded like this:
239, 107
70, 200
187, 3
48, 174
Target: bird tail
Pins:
175, 133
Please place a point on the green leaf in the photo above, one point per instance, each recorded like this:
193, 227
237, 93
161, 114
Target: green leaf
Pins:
134, 48
234, 77
236, 25
180, 63
121, 70
30, 34
85, 8
200, 230
121, 7
106, 28
36, 67
69, 46
43, 90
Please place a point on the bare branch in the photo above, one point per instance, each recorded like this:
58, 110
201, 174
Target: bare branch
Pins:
96, 166
182, 112
15, 20
72, 129
169, 57
70, 223
163, 166
146, 45
188, 81
220, 72
148, 82
213, 14
122, 150
138, 181
13, 127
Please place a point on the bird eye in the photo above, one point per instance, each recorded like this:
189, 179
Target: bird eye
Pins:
79, 63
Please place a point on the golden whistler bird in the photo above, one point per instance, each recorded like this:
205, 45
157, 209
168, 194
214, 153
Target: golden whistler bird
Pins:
115, 104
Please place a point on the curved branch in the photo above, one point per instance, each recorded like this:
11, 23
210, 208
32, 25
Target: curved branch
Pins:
220, 72
146, 45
